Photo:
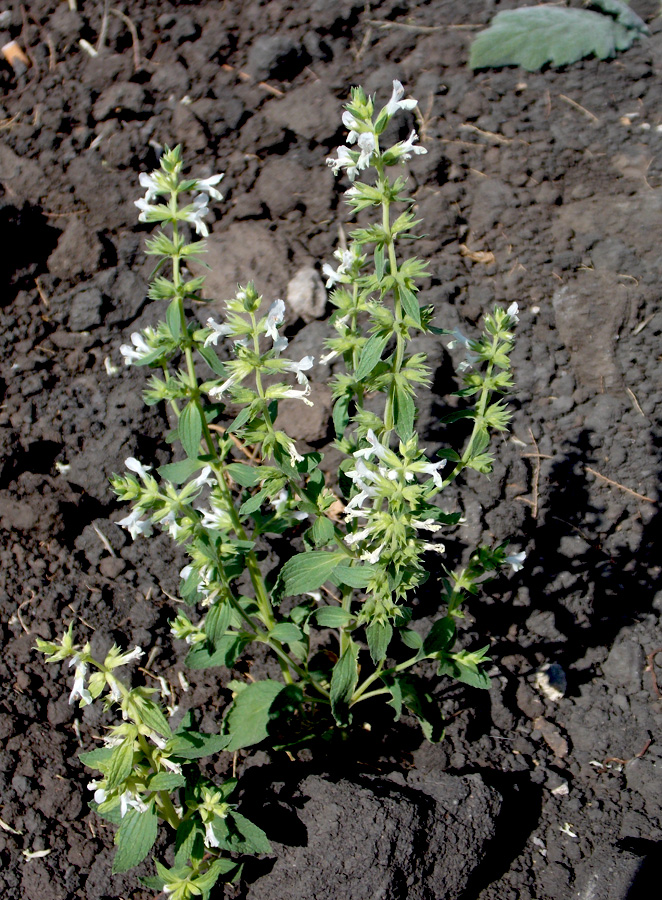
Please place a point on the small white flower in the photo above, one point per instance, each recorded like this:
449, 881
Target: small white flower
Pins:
151, 184
99, 793
396, 102
216, 519
217, 392
208, 186
158, 740
134, 466
350, 123
185, 572
357, 536
210, 838
204, 478
173, 766
130, 657
375, 448
366, 143
516, 561
432, 469
434, 548
144, 208
217, 331
294, 394
275, 317
129, 800
140, 349
408, 147
299, 368
196, 213
427, 524
295, 456
280, 344
333, 276
372, 558
79, 689
513, 311
458, 338
135, 524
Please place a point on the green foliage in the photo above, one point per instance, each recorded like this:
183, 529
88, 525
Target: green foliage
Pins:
534, 36
248, 719
135, 838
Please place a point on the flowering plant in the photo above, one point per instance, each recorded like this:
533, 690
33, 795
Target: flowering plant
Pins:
356, 572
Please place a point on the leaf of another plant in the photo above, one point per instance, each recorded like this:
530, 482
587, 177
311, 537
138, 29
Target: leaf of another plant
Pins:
535, 35
247, 722
135, 838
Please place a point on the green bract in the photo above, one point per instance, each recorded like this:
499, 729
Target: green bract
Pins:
365, 542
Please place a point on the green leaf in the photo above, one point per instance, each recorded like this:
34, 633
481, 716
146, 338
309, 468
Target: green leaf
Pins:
622, 13
379, 636
253, 503
308, 571
95, 759
410, 304
254, 839
240, 420
248, 720
166, 781
353, 576
411, 638
219, 867
470, 675
379, 262
343, 682
332, 616
224, 653
404, 413
135, 838
195, 745
370, 355
211, 358
535, 35
120, 765
421, 704
152, 716
286, 633
441, 636
174, 319
393, 684
188, 841
322, 531
190, 429
179, 472
246, 476
217, 621
341, 414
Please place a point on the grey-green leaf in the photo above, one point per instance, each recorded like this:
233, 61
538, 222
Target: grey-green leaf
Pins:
343, 681
135, 838
379, 636
623, 14
120, 765
535, 35
370, 355
332, 616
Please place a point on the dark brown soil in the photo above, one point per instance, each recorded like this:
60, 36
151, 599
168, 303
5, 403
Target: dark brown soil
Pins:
542, 188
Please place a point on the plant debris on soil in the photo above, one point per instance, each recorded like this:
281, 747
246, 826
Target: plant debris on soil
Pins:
544, 188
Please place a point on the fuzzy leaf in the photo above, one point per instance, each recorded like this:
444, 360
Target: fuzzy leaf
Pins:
246, 476
174, 319
135, 838
622, 13
223, 653
179, 472
217, 621
166, 781
379, 636
195, 745
535, 35
343, 681
308, 571
189, 839
211, 358
405, 410
353, 576
120, 764
370, 355
332, 616
248, 720
423, 707
251, 838
441, 636
190, 429
286, 633
410, 304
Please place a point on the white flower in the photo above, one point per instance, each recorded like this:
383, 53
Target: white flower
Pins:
375, 448
373, 557
140, 349
300, 368
151, 184
217, 331
366, 143
144, 208
135, 524
458, 338
134, 466
216, 519
434, 548
516, 561
427, 524
210, 838
332, 275
99, 793
129, 657
217, 392
351, 123
295, 456
433, 470
204, 478
280, 344
357, 536
406, 148
207, 185
130, 800
294, 394
79, 689
173, 766
347, 161
275, 317
513, 311
158, 740
396, 102
196, 212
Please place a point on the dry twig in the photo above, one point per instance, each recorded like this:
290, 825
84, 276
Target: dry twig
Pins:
619, 486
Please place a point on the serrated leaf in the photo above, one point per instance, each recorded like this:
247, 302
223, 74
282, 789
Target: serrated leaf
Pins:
370, 355
211, 358
224, 653
152, 716
393, 684
248, 720
254, 840
322, 531
95, 759
219, 867
217, 621
286, 633
410, 304
341, 415
470, 675
179, 472
308, 571
195, 744
535, 35
441, 636
353, 576
120, 764
379, 262
253, 503
332, 617
246, 476
378, 635
190, 429
421, 704
623, 14
343, 682
404, 412
135, 838
411, 638
166, 781
188, 840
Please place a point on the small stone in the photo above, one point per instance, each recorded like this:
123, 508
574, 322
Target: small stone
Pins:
552, 736
272, 56
112, 566
624, 666
86, 310
125, 100
306, 294
551, 681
